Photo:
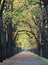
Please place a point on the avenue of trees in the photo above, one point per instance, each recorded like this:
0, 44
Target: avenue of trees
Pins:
23, 17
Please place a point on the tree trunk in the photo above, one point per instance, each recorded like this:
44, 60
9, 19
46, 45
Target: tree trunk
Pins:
10, 39
1, 44
4, 43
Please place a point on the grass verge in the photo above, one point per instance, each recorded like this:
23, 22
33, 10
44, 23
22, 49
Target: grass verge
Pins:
44, 60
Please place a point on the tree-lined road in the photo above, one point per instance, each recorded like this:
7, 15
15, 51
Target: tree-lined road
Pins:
24, 58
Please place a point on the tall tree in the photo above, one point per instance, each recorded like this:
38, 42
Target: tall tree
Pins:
2, 2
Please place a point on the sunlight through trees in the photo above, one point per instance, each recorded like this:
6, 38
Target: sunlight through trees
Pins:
23, 25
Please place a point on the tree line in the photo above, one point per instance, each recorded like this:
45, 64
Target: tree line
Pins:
6, 30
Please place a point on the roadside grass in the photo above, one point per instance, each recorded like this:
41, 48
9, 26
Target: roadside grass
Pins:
44, 60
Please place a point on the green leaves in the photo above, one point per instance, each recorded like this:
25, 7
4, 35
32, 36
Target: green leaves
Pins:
36, 11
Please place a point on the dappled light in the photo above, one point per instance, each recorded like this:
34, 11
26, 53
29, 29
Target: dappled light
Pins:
23, 27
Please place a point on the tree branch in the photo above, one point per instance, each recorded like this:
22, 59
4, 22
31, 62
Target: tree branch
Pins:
2, 5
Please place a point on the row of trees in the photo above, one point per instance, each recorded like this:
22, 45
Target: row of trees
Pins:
1, 28
6, 36
7, 42
44, 31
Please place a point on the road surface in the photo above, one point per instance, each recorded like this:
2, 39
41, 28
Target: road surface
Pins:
24, 58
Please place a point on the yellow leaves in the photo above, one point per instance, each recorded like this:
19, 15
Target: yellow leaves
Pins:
22, 39
17, 3
23, 27
25, 41
22, 16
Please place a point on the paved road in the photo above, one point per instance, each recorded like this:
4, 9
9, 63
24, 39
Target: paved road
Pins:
24, 58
